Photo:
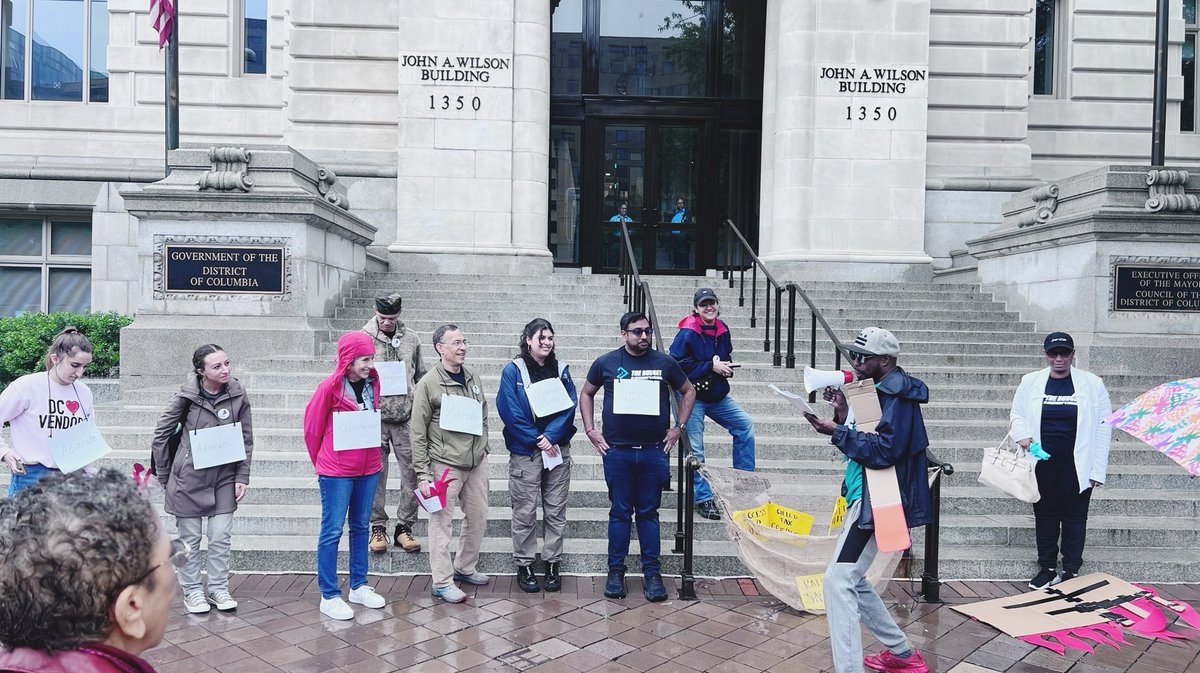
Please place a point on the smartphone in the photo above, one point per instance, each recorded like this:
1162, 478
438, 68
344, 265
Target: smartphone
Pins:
734, 365
20, 467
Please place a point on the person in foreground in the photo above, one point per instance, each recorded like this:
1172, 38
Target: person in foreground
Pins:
899, 441
346, 477
635, 444
1064, 409
87, 575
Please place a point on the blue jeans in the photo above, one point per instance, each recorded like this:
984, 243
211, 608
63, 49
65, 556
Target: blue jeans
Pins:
733, 418
339, 495
33, 474
635, 481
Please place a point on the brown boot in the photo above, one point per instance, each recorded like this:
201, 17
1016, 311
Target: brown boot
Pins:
405, 540
379, 542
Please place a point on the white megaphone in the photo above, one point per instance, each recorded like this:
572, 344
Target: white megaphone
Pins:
816, 379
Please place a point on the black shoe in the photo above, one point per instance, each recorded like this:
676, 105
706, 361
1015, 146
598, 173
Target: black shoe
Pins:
1043, 579
654, 589
614, 587
1064, 577
553, 581
708, 510
527, 580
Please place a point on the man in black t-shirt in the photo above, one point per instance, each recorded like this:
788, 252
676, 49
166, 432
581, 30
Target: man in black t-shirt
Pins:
635, 444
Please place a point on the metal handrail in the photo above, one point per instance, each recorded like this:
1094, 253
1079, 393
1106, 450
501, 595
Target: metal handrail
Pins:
637, 297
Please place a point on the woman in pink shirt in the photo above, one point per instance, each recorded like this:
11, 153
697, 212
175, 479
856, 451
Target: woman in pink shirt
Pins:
36, 405
346, 476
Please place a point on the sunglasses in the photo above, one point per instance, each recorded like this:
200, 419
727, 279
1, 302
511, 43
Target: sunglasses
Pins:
861, 357
178, 557
638, 331
1059, 354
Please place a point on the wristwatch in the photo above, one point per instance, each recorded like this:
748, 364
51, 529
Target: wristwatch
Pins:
680, 426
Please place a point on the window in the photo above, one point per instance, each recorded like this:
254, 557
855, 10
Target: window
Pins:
45, 265
1045, 40
1187, 110
254, 37
67, 58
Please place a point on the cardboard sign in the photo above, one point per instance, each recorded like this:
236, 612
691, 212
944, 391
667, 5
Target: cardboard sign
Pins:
217, 446
775, 517
357, 430
891, 528
812, 591
393, 378
1075, 603
548, 397
461, 414
864, 402
637, 397
77, 446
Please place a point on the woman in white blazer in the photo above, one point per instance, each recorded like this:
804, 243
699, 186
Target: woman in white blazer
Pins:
1063, 409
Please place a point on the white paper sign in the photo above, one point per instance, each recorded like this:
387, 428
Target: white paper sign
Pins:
461, 414
357, 430
797, 400
638, 397
548, 397
217, 446
78, 445
550, 462
393, 378
430, 505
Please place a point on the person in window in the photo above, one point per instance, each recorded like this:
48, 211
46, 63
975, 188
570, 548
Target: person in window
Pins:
39, 404
1063, 409
87, 575
681, 213
528, 436
210, 398
347, 477
622, 215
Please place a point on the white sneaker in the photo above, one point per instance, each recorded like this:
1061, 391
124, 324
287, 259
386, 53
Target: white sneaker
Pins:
195, 603
336, 608
450, 594
366, 597
222, 600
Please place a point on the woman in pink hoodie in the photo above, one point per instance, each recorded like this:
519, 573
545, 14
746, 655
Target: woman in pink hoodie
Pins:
347, 475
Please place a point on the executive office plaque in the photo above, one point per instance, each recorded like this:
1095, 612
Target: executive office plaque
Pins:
1156, 288
224, 269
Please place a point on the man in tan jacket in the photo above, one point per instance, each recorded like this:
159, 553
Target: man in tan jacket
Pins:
449, 437
395, 343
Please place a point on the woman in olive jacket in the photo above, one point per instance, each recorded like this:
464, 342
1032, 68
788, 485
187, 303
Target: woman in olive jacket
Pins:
210, 398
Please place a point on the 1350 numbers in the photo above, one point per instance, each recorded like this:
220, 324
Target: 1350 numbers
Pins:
877, 113
458, 103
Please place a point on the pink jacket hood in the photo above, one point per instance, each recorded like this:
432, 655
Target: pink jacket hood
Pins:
693, 322
330, 397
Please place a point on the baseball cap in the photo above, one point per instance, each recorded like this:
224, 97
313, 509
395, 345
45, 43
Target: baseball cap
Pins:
1058, 340
702, 294
875, 341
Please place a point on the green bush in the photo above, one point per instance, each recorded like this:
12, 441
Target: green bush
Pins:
24, 340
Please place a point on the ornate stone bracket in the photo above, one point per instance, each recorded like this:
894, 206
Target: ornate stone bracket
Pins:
1045, 202
325, 181
229, 170
1168, 192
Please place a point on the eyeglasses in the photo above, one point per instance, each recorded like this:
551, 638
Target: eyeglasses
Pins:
1059, 355
457, 343
860, 357
638, 331
178, 557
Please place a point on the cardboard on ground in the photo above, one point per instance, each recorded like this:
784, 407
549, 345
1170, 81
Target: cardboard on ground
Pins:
775, 517
1025, 621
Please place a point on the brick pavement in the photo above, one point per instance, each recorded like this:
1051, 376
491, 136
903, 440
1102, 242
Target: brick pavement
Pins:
731, 629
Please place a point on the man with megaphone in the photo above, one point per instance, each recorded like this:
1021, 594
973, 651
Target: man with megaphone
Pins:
898, 440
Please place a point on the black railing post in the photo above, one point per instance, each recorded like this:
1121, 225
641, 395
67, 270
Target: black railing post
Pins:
742, 286
777, 357
767, 323
930, 584
687, 580
791, 350
680, 471
728, 251
812, 351
753, 294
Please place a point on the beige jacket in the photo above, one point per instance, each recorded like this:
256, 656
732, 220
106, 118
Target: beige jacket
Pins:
429, 441
398, 408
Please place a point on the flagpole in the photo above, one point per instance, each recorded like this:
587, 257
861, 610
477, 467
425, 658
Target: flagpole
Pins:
171, 79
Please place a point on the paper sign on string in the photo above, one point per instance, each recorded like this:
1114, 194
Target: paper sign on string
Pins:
221, 445
839, 514
461, 414
891, 528
77, 446
357, 430
637, 397
548, 397
393, 378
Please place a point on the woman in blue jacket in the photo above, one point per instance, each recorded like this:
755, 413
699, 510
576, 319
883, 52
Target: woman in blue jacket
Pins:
537, 402
704, 350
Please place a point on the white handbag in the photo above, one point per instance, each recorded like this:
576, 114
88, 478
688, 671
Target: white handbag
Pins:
1010, 469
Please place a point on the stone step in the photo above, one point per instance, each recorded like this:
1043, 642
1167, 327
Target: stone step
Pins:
1019, 563
898, 314
614, 303
1017, 530
729, 296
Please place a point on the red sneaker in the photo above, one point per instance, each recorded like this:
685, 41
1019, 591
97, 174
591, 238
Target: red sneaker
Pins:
890, 663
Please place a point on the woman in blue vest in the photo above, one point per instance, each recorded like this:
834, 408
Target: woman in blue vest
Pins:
536, 401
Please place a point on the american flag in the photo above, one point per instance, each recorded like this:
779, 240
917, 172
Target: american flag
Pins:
162, 17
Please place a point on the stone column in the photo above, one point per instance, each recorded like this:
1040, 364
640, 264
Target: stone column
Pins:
844, 133
475, 130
